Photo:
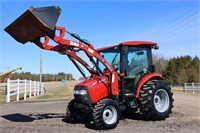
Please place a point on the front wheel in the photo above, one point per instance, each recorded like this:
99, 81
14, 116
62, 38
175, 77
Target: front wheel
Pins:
74, 114
156, 101
106, 114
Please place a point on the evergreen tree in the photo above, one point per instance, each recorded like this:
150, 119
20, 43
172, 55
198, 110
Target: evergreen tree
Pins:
183, 69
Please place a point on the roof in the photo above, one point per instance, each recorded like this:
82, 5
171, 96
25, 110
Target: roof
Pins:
130, 43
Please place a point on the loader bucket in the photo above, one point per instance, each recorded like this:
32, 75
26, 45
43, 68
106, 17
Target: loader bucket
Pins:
34, 23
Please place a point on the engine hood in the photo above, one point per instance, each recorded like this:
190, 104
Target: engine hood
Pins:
97, 87
92, 81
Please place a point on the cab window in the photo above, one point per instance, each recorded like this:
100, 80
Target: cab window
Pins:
137, 60
112, 56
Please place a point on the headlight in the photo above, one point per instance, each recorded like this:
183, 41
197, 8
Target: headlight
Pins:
80, 92
81, 95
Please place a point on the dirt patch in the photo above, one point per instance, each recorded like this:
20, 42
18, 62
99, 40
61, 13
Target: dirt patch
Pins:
49, 116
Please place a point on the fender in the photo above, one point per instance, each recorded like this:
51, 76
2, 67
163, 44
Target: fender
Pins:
145, 79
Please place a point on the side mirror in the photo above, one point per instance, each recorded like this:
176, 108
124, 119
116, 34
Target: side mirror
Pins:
156, 47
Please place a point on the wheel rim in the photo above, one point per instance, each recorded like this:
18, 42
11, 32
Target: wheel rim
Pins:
161, 100
110, 115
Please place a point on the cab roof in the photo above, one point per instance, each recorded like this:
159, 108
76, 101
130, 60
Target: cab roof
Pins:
130, 43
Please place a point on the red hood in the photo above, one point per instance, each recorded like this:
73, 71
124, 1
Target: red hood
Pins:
92, 81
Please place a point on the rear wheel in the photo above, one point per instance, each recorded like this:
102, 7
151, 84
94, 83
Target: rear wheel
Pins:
156, 100
161, 100
106, 114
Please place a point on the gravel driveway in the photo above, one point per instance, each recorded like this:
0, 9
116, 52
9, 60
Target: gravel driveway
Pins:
49, 117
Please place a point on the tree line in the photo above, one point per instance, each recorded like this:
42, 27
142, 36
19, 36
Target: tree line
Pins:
45, 77
178, 70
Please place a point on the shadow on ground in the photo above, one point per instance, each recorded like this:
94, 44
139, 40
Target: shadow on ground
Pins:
17, 117
31, 117
87, 122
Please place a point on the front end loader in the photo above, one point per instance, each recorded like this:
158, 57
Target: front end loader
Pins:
122, 77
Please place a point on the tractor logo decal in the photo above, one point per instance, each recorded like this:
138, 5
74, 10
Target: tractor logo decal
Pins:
74, 44
90, 50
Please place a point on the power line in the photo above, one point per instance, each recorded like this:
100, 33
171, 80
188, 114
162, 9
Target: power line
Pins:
166, 26
178, 24
172, 23
173, 35
175, 27
8, 10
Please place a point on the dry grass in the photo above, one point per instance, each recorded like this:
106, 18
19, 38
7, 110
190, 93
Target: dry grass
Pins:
54, 91
54, 94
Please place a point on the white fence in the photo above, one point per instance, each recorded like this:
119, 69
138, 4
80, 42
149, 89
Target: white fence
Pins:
24, 87
192, 87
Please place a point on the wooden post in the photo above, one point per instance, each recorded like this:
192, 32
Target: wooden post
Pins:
8, 91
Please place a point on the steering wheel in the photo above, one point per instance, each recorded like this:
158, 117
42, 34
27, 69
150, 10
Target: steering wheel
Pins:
136, 69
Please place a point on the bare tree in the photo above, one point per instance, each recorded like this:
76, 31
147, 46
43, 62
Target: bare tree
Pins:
160, 63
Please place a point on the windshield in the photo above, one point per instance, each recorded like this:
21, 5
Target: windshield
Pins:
112, 56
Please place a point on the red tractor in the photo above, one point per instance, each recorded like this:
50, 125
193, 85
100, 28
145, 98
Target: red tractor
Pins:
122, 77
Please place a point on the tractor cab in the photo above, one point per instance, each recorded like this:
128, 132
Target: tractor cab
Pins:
131, 60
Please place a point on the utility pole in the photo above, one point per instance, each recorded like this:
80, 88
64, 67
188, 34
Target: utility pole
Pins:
40, 65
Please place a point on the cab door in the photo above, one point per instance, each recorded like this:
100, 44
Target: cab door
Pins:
136, 63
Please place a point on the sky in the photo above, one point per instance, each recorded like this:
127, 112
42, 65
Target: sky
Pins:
173, 24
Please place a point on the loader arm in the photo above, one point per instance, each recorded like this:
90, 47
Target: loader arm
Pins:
38, 23
65, 45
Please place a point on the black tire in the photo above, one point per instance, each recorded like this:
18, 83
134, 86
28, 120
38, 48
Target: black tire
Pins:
106, 114
75, 115
156, 101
